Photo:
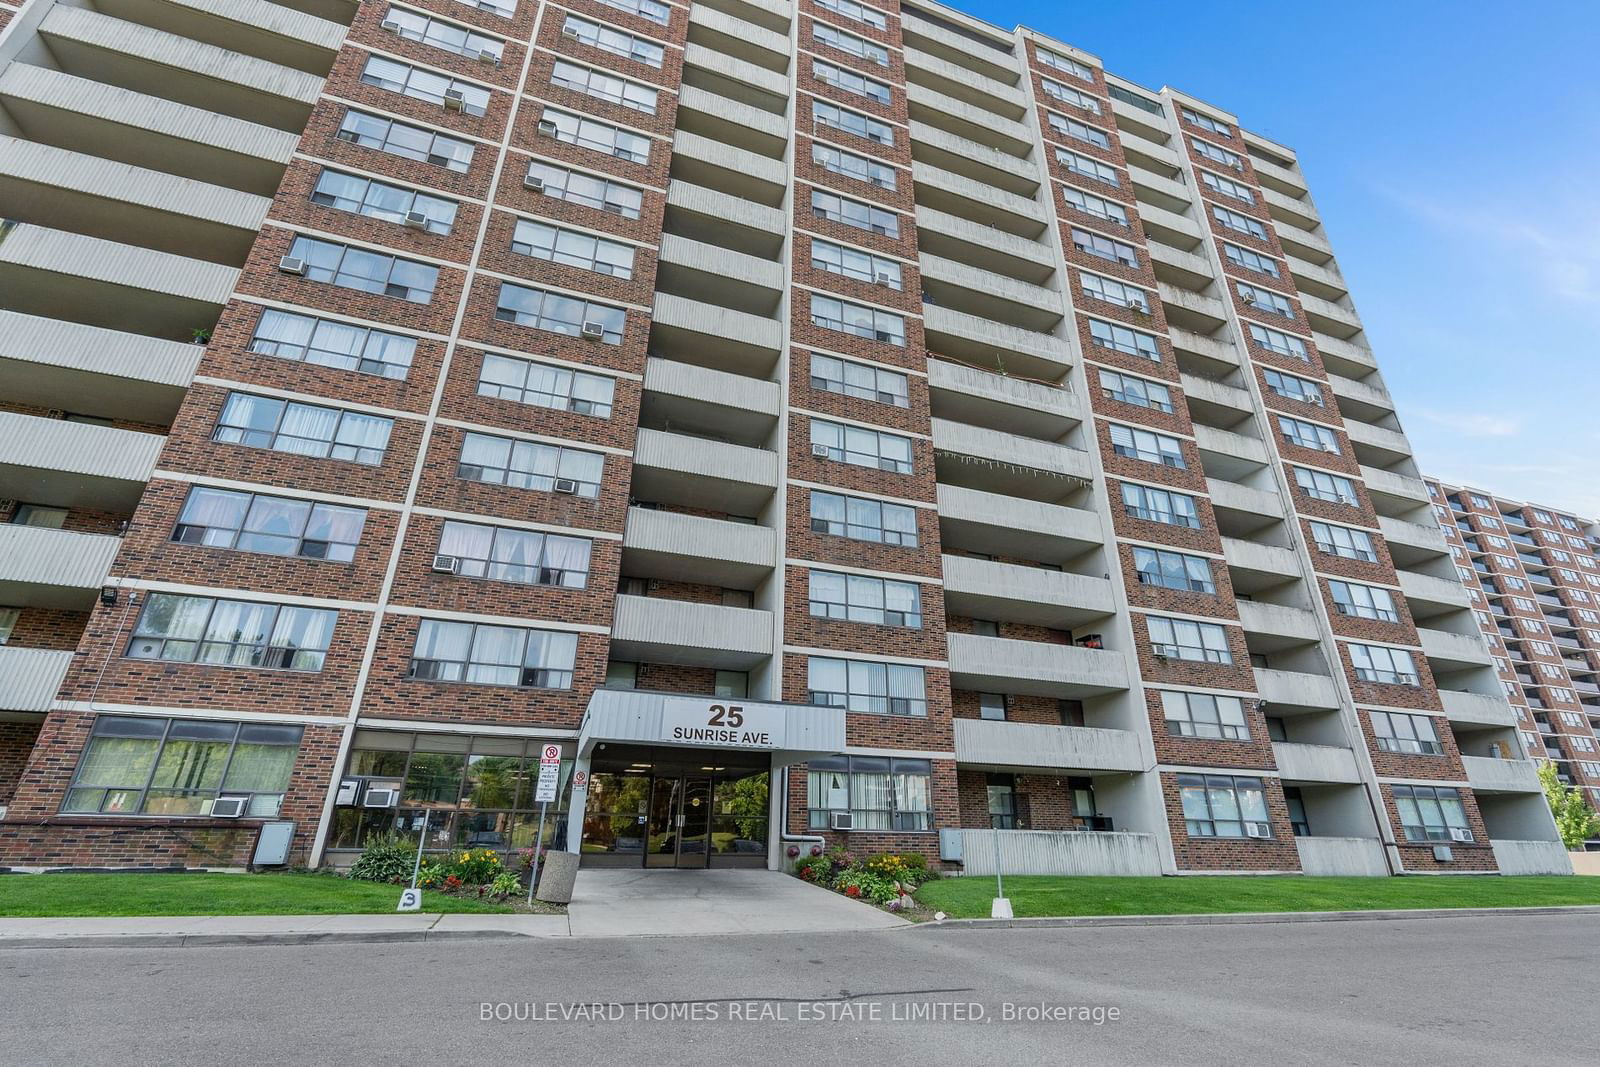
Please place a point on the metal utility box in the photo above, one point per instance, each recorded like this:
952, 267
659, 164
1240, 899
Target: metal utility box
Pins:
272, 847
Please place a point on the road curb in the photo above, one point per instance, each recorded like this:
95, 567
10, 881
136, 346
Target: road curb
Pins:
1253, 917
332, 937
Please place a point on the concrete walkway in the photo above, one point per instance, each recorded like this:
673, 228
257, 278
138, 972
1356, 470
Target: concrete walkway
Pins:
669, 903
174, 930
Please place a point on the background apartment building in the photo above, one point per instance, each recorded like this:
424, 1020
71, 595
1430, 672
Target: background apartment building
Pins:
1535, 588
394, 389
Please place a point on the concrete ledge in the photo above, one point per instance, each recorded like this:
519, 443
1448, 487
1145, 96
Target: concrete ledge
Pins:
1249, 917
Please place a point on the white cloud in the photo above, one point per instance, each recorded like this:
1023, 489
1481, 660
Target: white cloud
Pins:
1478, 424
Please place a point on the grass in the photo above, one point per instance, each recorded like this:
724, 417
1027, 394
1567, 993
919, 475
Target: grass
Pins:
76, 895
1039, 896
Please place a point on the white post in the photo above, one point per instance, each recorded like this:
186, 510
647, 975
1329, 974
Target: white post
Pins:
538, 840
1001, 908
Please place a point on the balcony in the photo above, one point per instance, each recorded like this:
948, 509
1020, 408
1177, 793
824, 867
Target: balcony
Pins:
47, 568
1318, 764
985, 342
983, 398
1359, 857
1376, 445
1531, 857
1411, 543
1477, 709
719, 117
1352, 359
727, 168
74, 465
980, 124
704, 66
1000, 525
656, 630
954, 237
989, 295
719, 276
731, 221
981, 90
1254, 566
1330, 318
1296, 690
1215, 403
30, 677
984, 589
105, 372
738, 38
691, 548
1058, 852
982, 203
1191, 310
1242, 510
1036, 746
1275, 627
1489, 775
674, 468
1448, 651
1186, 270
1004, 665
1429, 596
717, 336
1004, 462
683, 394
1394, 494
951, 153
1228, 455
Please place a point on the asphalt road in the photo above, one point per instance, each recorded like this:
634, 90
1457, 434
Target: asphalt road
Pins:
1447, 991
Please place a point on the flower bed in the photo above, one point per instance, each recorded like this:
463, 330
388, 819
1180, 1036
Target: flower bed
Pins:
476, 873
886, 879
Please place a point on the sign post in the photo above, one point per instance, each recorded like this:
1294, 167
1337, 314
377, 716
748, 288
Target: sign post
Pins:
544, 792
1001, 908
411, 897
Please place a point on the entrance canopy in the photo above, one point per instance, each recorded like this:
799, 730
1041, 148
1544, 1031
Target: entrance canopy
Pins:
791, 732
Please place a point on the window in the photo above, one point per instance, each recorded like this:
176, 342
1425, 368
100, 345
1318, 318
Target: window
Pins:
1378, 663
1206, 122
869, 688
874, 324
603, 86
859, 598
1114, 292
406, 141
880, 793
860, 380
653, 10
271, 525
1001, 793
1228, 187
1126, 389
1265, 300
1333, 488
1078, 131
308, 339
836, 208
541, 385
1410, 734
863, 520
424, 85
1140, 102
862, 447
1066, 65
1145, 445
1075, 163
380, 200
415, 26
595, 135
1309, 435
1241, 223
1203, 642
1173, 570
1068, 95
860, 12
504, 8
992, 706
1217, 155
848, 164
1343, 541
1098, 206
1287, 385
303, 429
1122, 339
177, 767
1104, 248
1279, 342
852, 122
572, 248
849, 42
1204, 715
1363, 601
526, 557
849, 81
231, 633
585, 189
1243, 257
40, 517
1429, 813
610, 39
368, 272
558, 313
493, 655
1220, 805
1160, 505
854, 263
529, 465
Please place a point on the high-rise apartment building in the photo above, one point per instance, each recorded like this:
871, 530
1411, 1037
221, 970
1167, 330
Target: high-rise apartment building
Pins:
1534, 582
813, 419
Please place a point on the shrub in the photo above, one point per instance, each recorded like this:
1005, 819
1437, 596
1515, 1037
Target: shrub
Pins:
388, 859
506, 884
476, 867
908, 868
818, 870
867, 885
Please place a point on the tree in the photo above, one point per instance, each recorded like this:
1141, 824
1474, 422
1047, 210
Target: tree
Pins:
1576, 822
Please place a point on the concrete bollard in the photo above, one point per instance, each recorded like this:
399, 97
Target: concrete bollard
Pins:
556, 875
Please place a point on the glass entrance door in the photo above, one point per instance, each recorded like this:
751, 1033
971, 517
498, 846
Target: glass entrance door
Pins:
680, 822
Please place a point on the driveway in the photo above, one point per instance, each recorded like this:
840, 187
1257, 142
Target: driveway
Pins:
640, 903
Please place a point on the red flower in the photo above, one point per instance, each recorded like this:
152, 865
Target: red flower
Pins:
852, 891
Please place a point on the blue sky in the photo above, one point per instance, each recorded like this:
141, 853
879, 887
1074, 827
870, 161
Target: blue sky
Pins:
1453, 150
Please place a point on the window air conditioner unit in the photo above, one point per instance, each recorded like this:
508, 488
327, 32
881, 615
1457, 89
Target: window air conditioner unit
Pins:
820, 451
445, 564
380, 797
346, 135
228, 807
454, 100
547, 128
391, 25
1255, 829
291, 265
885, 279
488, 55
570, 31
349, 790
416, 220
1461, 833
841, 820
567, 486
594, 330
534, 182
819, 526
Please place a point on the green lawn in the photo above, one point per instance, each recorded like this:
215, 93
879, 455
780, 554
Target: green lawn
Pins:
1037, 896
32, 895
